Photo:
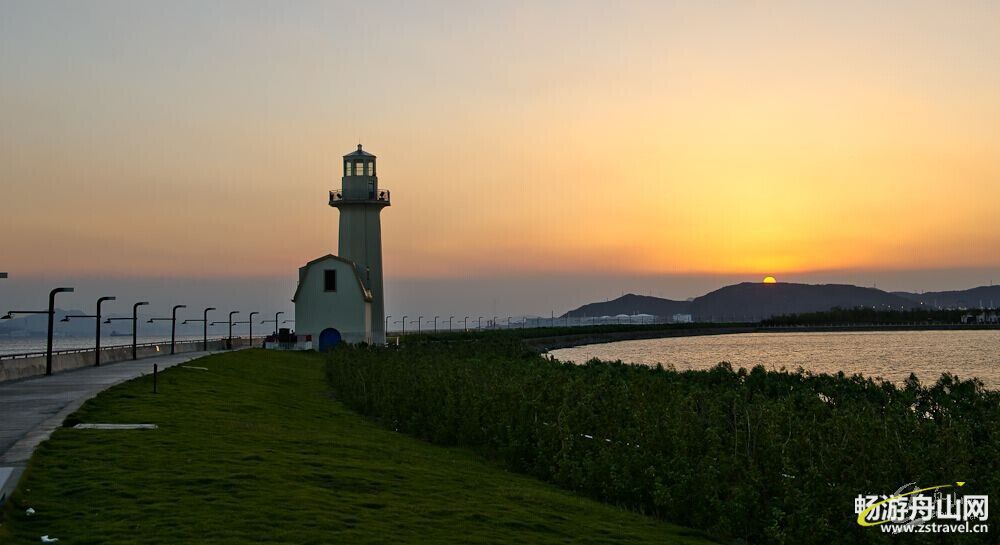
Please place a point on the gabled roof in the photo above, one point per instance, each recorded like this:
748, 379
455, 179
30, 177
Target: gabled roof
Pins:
359, 153
304, 270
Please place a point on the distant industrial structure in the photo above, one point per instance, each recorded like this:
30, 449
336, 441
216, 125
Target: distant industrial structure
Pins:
981, 318
340, 297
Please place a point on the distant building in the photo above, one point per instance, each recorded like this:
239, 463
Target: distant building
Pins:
682, 319
981, 318
340, 297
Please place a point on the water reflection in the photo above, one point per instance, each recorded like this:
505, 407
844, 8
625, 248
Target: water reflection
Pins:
890, 355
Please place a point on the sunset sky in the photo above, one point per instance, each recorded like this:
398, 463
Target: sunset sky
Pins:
590, 147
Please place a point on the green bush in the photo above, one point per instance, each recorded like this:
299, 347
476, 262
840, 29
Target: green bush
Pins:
758, 456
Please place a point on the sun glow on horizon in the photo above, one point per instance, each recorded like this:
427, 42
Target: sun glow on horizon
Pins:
770, 280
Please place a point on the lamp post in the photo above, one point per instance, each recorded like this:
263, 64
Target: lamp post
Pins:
173, 325
251, 327
230, 341
387, 325
249, 321
494, 322
52, 313
403, 332
480, 323
450, 318
276, 314
97, 335
466, 321
419, 319
231, 314
204, 335
135, 323
436, 324
230, 324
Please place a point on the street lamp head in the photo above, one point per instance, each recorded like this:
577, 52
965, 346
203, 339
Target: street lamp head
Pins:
108, 298
180, 306
65, 319
149, 321
63, 290
108, 321
210, 308
6, 316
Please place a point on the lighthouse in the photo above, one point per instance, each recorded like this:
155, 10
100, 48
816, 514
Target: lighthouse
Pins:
340, 297
360, 202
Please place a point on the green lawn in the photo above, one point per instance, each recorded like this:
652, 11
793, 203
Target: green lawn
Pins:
255, 450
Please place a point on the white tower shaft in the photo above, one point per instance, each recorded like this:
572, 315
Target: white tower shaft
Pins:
360, 202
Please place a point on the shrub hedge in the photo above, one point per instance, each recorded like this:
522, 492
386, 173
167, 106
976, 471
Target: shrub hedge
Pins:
754, 456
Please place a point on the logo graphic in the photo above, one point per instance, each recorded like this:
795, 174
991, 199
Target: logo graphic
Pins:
935, 509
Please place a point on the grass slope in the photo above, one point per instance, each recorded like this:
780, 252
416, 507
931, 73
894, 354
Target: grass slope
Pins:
254, 450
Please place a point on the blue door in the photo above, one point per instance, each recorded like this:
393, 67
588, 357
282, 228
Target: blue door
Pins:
328, 339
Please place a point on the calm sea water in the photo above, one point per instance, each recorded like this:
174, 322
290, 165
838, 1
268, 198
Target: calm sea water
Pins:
20, 345
889, 355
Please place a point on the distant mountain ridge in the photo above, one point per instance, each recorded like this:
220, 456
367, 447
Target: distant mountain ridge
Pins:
985, 296
633, 304
750, 301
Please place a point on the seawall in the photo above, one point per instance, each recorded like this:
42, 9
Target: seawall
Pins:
544, 344
14, 369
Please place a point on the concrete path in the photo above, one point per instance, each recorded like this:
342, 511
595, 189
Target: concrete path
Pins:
32, 408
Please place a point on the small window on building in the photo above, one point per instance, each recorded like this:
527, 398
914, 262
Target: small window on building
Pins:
347, 168
371, 168
359, 169
329, 280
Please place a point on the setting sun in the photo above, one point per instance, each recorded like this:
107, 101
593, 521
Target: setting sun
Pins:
770, 280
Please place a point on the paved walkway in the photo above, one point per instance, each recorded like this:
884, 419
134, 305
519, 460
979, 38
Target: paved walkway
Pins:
32, 408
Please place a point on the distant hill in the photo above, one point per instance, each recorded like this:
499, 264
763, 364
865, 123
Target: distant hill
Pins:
751, 301
983, 296
755, 301
632, 304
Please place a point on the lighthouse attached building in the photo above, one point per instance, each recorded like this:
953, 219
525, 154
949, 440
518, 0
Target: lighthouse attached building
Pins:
340, 297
